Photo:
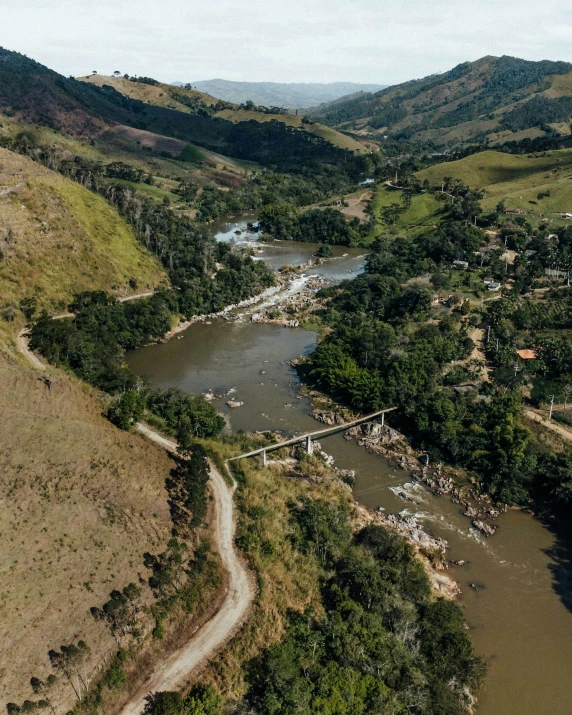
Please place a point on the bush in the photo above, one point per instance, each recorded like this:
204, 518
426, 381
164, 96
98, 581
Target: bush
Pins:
115, 677
127, 410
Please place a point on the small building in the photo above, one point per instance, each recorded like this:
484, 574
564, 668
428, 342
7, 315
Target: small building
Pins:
488, 281
526, 354
461, 265
494, 286
508, 212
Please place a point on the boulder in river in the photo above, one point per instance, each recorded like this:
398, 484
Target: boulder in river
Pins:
484, 528
233, 404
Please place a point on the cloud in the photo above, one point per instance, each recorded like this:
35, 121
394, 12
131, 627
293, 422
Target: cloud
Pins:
385, 41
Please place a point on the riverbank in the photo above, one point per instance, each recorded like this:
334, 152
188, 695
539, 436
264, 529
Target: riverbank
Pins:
517, 574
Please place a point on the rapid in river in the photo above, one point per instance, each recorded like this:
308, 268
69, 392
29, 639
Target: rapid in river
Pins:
518, 604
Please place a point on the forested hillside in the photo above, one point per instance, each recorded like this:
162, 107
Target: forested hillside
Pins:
495, 99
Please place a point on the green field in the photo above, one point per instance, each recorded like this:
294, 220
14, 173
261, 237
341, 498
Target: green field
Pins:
423, 212
515, 179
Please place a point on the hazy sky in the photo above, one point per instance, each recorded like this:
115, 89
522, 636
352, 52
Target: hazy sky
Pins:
382, 41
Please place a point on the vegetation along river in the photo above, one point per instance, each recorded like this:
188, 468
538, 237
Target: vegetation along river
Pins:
520, 615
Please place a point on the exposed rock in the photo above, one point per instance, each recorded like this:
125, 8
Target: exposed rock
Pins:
346, 475
234, 403
328, 418
471, 512
487, 529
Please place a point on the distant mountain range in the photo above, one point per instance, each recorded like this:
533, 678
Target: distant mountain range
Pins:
493, 100
293, 95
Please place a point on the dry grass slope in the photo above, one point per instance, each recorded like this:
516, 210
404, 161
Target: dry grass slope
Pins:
81, 503
81, 500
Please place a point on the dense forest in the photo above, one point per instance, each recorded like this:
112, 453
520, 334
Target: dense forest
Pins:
388, 345
414, 656
93, 343
327, 226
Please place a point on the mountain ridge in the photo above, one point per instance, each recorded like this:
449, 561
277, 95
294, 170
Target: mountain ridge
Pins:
485, 101
290, 95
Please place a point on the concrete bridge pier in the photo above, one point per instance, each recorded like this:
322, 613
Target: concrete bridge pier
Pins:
382, 418
309, 445
264, 459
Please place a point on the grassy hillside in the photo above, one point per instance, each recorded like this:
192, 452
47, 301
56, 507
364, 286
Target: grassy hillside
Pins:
423, 212
494, 99
58, 238
82, 502
515, 179
192, 102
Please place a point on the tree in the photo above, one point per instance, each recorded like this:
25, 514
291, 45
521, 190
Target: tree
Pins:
566, 389
127, 410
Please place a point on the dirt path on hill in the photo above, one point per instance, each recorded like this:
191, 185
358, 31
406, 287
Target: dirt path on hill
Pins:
22, 345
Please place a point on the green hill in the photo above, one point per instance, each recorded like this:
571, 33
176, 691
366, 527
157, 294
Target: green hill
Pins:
37, 95
495, 99
537, 184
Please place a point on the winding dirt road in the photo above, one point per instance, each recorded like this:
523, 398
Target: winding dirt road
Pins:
174, 672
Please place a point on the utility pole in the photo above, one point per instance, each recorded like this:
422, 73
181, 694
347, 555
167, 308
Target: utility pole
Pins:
497, 345
488, 333
551, 407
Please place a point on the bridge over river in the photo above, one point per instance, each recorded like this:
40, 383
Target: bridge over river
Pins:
309, 436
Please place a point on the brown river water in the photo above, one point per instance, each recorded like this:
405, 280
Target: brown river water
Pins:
520, 616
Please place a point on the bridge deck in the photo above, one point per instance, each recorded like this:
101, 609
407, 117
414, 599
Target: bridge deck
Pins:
317, 433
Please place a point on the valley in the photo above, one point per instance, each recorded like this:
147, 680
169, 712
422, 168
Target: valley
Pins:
185, 279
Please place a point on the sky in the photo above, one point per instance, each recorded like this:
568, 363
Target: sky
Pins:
374, 41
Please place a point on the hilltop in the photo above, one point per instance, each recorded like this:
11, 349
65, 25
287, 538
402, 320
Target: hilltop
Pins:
492, 100
290, 95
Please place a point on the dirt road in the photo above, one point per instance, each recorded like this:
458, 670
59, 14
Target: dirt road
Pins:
22, 345
553, 426
173, 674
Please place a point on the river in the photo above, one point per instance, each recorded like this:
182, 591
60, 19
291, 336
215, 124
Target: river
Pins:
518, 617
